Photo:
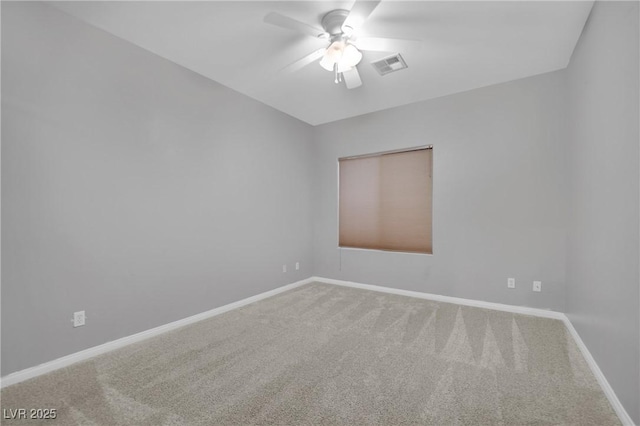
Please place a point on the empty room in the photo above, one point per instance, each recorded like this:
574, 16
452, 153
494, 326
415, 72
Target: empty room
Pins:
320, 212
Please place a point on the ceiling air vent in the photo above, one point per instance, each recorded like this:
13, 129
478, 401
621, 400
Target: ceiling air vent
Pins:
389, 64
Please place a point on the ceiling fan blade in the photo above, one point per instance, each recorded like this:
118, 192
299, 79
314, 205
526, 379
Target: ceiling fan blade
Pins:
279, 20
352, 78
303, 62
360, 11
382, 44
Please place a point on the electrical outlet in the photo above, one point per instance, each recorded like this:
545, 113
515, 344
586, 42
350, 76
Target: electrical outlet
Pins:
297, 266
511, 283
78, 318
284, 268
537, 286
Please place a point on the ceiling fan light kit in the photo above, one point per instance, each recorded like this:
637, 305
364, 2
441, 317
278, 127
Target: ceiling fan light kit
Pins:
342, 55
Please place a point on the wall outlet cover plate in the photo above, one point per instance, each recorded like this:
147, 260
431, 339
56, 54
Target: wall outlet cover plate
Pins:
78, 318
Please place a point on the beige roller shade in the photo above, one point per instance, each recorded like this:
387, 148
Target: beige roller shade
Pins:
385, 201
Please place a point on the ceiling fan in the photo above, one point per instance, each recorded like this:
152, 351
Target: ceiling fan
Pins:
344, 50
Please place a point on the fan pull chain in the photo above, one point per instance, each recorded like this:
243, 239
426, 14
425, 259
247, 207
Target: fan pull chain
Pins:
335, 70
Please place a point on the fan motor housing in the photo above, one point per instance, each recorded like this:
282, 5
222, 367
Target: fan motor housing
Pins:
332, 21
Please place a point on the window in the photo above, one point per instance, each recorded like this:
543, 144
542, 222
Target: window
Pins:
385, 201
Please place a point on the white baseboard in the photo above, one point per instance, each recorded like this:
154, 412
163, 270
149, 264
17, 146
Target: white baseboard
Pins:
604, 384
602, 380
28, 373
448, 299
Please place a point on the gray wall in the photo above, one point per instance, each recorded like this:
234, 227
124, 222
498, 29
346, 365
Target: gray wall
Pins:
602, 272
134, 189
499, 196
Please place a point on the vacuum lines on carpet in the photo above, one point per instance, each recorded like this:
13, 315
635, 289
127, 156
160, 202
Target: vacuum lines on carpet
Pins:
327, 355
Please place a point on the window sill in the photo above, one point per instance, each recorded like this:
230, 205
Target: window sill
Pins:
386, 251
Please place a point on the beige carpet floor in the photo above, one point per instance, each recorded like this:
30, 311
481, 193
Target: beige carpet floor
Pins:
323, 354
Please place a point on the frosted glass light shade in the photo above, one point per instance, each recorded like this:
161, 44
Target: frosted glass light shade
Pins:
346, 56
332, 55
326, 63
350, 57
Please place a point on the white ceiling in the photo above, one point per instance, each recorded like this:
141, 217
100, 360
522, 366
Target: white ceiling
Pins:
464, 45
